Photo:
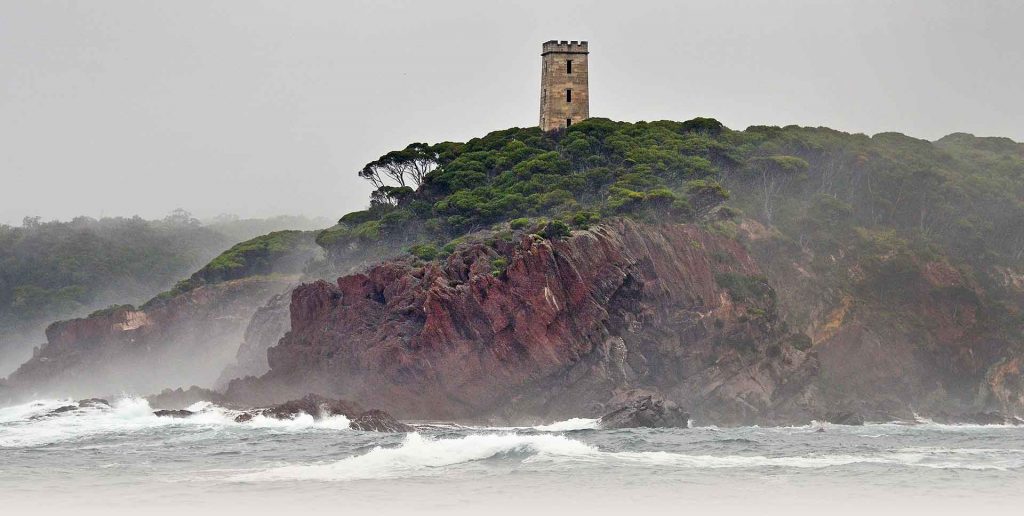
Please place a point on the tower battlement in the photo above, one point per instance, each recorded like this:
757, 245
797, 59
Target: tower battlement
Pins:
567, 47
564, 89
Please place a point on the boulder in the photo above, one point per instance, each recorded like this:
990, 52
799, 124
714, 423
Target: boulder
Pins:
379, 421
55, 412
646, 411
65, 408
173, 413
320, 407
845, 417
314, 405
180, 398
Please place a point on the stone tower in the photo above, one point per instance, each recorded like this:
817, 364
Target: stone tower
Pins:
564, 95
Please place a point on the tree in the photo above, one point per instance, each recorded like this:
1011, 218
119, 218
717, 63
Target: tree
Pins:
406, 167
181, 217
389, 195
773, 173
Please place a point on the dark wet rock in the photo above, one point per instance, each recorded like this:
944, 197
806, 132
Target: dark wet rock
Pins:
845, 417
647, 411
54, 413
173, 413
88, 403
321, 407
94, 402
180, 398
378, 421
314, 405
978, 418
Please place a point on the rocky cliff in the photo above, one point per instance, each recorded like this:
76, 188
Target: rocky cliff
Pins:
538, 328
897, 335
268, 324
182, 340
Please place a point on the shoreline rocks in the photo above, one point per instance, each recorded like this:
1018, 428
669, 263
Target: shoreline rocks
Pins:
845, 417
173, 413
321, 407
317, 406
646, 411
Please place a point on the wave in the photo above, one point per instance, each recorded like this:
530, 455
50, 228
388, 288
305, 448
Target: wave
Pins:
418, 455
36, 424
570, 425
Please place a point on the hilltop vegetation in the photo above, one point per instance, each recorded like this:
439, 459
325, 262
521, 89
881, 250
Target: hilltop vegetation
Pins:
821, 189
847, 219
598, 168
285, 252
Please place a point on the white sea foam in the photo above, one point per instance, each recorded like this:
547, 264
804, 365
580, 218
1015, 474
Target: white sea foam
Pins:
576, 423
31, 425
419, 455
32, 408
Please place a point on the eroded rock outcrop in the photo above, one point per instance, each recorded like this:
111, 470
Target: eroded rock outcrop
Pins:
321, 407
184, 339
646, 411
95, 403
268, 324
554, 334
896, 336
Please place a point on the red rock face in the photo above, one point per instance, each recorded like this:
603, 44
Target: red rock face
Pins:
187, 339
564, 326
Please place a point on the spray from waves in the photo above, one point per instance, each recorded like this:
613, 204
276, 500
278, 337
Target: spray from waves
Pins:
35, 423
570, 425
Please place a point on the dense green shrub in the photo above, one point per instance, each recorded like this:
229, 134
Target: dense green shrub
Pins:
746, 289
555, 229
499, 266
425, 252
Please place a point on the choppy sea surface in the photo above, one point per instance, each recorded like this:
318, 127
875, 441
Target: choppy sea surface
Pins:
124, 459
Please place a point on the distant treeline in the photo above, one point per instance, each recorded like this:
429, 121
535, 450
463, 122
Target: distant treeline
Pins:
54, 270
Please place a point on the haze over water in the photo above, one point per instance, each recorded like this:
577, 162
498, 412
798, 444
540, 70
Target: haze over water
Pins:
124, 460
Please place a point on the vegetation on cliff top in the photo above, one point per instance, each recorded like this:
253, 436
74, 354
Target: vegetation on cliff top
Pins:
278, 252
658, 170
960, 195
867, 214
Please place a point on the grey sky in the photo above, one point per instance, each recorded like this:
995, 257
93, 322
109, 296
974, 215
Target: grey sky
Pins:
260, 108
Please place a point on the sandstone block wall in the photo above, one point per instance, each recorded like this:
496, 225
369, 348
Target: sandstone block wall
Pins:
557, 77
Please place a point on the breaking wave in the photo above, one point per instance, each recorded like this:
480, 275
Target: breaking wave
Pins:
569, 425
36, 423
418, 455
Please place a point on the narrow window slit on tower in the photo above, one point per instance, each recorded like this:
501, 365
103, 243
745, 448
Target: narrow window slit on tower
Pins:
568, 66
568, 95
568, 122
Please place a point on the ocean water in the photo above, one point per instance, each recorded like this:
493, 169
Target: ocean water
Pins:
124, 460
